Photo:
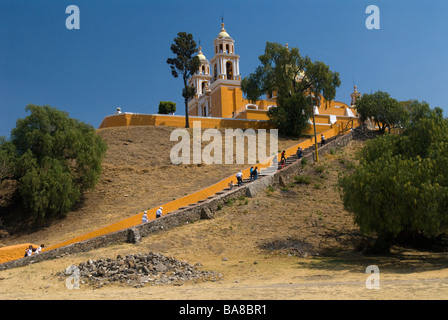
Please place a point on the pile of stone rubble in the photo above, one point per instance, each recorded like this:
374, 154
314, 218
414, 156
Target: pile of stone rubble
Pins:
140, 269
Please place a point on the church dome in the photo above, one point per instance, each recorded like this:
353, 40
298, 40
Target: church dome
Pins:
201, 55
223, 33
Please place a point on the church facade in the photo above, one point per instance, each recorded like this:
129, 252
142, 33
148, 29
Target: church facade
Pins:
218, 88
218, 84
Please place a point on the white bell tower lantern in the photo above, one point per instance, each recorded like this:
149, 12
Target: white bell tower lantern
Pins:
225, 63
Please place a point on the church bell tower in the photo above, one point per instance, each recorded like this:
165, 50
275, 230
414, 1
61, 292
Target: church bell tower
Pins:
225, 63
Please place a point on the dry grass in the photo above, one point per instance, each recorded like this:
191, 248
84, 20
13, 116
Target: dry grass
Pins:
137, 175
295, 242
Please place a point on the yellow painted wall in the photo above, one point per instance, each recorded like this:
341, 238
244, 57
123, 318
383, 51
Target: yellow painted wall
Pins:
216, 103
130, 119
253, 115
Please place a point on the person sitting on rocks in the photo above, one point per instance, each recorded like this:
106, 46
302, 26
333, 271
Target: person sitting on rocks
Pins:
231, 185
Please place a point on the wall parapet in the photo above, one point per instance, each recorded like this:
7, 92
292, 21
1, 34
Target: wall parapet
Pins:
138, 119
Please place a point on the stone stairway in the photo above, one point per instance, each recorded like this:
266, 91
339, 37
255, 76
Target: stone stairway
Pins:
264, 172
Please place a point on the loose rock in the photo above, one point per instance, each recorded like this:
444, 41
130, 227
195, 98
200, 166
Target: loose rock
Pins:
140, 269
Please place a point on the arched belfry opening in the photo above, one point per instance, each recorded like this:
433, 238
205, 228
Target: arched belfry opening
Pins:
229, 69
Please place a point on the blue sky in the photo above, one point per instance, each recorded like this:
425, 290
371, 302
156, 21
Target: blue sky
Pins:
118, 56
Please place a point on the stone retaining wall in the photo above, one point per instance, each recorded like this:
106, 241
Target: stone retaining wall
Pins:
203, 210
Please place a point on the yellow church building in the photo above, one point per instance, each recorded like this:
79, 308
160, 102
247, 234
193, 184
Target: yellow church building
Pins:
218, 88
219, 101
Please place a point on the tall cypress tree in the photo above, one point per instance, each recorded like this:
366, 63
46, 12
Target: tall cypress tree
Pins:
184, 64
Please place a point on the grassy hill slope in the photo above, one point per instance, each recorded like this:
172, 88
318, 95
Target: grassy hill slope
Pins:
137, 175
293, 242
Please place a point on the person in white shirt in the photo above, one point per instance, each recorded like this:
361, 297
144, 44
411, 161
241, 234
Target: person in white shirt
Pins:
159, 212
29, 251
145, 217
39, 249
322, 139
239, 177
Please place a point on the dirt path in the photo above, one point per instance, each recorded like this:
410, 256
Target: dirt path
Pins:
272, 278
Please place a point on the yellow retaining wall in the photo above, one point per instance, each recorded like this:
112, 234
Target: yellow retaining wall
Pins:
132, 119
251, 119
253, 115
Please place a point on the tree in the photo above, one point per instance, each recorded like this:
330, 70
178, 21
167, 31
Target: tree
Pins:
417, 110
185, 64
8, 186
167, 107
298, 82
55, 159
386, 111
400, 187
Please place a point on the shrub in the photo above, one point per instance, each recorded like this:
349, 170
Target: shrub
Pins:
167, 107
400, 186
303, 179
56, 158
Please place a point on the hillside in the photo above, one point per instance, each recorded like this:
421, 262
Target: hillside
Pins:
293, 242
137, 175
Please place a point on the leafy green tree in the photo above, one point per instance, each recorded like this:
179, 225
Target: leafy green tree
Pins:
185, 64
290, 117
384, 110
48, 190
418, 110
298, 82
167, 107
8, 161
55, 159
401, 184
252, 85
